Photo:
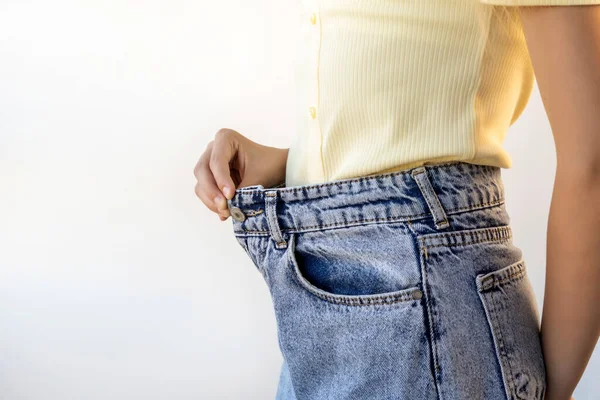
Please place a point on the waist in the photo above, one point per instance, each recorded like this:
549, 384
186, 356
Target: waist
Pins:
396, 196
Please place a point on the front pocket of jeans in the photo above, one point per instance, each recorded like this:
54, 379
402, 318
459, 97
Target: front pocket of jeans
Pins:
372, 292
510, 306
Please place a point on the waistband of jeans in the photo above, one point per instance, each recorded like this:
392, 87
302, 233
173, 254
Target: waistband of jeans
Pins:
386, 197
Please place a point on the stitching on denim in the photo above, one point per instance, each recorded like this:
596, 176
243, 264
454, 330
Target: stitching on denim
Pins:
442, 224
361, 301
392, 219
358, 222
431, 198
475, 207
516, 273
497, 240
496, 338
470, 232
494, 234
252, 213
450, 211
514, 277
503, 353
430, 311
273, 221
478, 206
367, 300
356, 301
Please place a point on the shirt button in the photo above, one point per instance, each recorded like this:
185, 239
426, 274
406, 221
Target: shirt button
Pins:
313, 112
237, 214
313, 18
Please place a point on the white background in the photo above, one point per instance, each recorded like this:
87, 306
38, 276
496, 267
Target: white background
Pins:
115, 281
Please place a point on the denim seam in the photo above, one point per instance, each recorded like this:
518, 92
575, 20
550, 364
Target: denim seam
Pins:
509, 377
514, 273
252, 213
438, 212
477, 232
341, 224
449, 211
406, 295
273, 220
430, 311
381, 301
513, 277
496, 339
422, 240
498, 240
494, 234
375, 220
476, 206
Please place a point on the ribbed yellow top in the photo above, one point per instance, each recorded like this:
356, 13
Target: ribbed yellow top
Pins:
386, 85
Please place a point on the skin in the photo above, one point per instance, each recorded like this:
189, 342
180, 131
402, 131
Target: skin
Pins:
564, 45
232, 161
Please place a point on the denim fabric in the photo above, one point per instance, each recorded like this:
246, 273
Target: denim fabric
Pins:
403, 285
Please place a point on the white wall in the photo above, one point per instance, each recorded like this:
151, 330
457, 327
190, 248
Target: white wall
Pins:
115, 281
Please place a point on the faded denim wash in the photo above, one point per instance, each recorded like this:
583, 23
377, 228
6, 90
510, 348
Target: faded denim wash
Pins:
403, 285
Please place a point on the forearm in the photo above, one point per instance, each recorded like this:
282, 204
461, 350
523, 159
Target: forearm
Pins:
570, 316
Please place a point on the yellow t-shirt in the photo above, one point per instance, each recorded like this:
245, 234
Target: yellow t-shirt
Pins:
387, 85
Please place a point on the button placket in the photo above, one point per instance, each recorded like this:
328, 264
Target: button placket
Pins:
309, 111
314, 20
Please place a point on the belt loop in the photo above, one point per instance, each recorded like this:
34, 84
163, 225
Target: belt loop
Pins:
272, 220
433, 202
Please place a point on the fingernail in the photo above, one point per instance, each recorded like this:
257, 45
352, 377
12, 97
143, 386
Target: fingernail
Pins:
227, 191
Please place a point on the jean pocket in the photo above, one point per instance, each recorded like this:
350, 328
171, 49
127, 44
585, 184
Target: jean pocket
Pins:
511, 309
350, 274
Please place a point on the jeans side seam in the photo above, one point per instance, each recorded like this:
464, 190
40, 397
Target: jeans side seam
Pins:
430, 326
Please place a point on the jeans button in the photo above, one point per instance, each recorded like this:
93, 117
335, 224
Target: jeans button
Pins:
237, 214
417, 294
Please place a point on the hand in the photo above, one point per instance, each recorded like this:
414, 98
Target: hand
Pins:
548, 397
230, 161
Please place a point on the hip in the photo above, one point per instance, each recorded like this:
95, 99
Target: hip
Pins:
397, 283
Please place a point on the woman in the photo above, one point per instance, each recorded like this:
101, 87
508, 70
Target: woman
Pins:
383, 235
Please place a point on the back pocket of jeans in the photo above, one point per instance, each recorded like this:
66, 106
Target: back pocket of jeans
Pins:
511, 309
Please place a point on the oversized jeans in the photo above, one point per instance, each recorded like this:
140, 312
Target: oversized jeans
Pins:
402, 285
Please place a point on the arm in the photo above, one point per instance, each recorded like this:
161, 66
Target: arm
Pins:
564, 44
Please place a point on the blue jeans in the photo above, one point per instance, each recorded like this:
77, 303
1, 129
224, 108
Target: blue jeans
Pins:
402, 285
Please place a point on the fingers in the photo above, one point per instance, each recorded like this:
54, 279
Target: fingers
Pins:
206, 187
225, 148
